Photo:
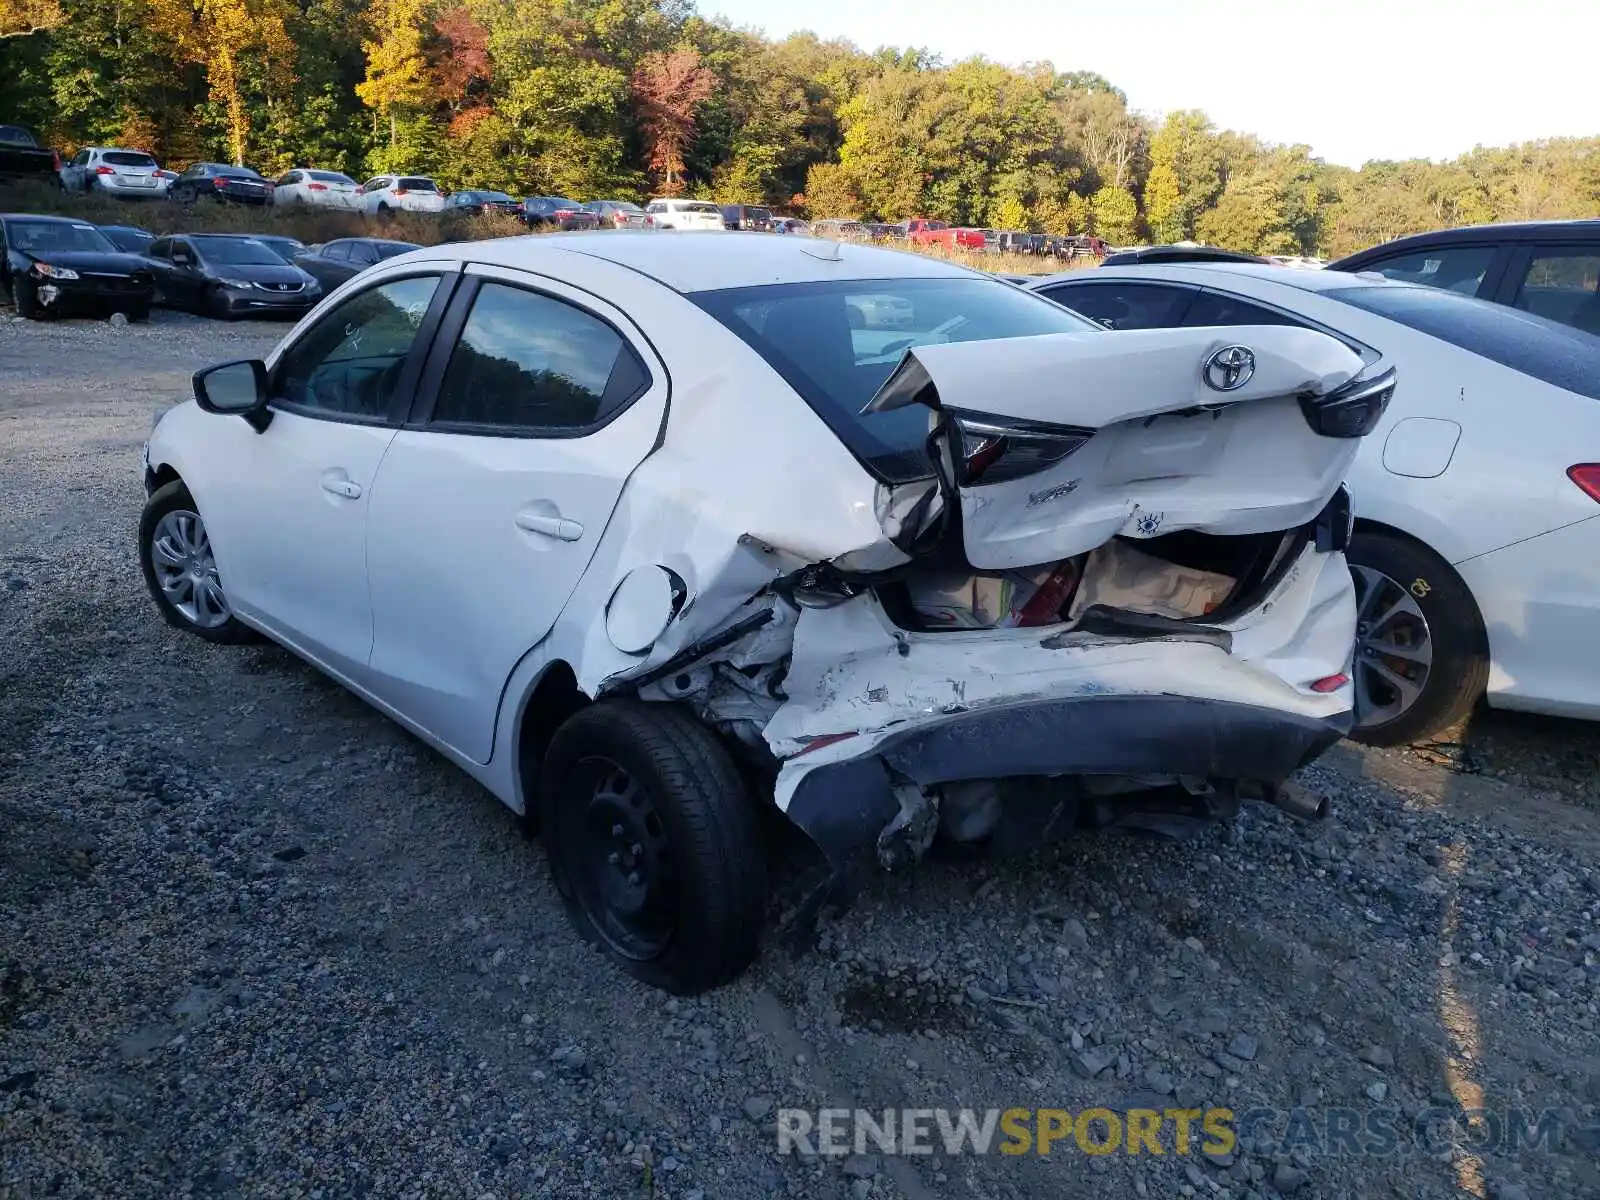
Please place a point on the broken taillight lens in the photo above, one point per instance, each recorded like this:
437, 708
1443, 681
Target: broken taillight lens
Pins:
1351, 411
995, 452
1587, 477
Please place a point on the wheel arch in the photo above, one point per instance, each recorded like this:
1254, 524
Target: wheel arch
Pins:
158, 475
553, 697
1370, 525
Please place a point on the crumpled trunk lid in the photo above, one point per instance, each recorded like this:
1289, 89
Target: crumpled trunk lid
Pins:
1050, 446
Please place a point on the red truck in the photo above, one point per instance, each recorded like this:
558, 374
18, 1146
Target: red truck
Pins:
925, 233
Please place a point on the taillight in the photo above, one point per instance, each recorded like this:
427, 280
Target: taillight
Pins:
1587, 477
1330, 683
361, 189
993, 452
1351, 411
219, 182
105, 171
316, 187
55, 159
400, 191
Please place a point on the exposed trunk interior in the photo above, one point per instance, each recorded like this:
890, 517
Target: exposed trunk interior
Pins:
1126, 587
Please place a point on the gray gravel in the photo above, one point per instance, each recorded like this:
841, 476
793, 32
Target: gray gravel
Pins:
256, 941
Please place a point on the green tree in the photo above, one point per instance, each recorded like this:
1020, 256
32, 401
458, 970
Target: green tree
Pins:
1185, 175
1116, 215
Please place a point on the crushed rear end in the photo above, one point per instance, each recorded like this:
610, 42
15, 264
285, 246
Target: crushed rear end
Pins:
1118, 597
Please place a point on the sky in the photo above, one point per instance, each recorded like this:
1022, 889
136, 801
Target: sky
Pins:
1353, 79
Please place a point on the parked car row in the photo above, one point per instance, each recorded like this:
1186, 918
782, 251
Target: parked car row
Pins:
62, 266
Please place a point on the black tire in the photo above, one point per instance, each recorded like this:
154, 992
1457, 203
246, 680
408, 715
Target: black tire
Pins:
1458, 669
703, 872
139, 315
24, 299
174, 498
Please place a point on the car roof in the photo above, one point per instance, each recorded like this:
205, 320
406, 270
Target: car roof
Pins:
43, 217
1504, 231
696, 262
1220, 274
129, 229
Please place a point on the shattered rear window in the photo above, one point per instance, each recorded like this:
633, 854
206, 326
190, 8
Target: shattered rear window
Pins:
1551, 353
836, 342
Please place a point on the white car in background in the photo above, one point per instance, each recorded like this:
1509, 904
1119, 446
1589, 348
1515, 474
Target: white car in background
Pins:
920, 586
400, 193
307, 188
116, 172
669, 213
1477, 547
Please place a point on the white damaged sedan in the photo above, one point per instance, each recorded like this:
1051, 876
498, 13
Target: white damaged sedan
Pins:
646, 534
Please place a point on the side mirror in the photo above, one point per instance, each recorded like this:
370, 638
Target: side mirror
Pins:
235, 389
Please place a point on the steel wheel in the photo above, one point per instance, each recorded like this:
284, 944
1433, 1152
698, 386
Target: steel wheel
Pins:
624, 876
186, 570
1394, 647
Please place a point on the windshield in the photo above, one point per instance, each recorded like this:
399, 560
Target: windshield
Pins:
1555, 354
414, 184
132, 240
390, 249
239, 252
700, 207
835, 343
331, 177
128, 158
492, 198
47, 236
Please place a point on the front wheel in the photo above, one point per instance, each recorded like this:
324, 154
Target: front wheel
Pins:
1421, 655
180, 569
654, 843
24, 299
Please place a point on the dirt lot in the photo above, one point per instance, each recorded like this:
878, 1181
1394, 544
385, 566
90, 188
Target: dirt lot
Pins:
254, 940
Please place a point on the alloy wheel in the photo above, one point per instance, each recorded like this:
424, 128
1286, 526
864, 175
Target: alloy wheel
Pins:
1394, 647
186, 570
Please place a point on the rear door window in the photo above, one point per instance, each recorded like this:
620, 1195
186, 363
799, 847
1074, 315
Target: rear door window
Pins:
1219, 308
1556, 354
1119, 305
529, 363
1562, 283
1457, 269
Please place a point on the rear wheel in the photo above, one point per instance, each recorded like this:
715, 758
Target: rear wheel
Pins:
654, 843
1421, 655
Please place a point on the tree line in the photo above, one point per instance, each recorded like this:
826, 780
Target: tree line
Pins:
627, 98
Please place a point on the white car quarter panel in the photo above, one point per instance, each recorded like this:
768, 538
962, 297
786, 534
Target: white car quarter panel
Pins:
1540, 601
1420, 447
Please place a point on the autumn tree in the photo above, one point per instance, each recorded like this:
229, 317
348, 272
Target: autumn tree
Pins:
667, 89
397, 70
21, 18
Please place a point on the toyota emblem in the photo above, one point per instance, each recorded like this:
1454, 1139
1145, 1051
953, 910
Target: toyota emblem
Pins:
1230, 368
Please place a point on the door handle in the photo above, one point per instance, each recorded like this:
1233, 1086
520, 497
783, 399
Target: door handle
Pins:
559, 528
348, 488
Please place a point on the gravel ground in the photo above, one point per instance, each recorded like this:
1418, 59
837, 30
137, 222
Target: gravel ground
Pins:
256, 941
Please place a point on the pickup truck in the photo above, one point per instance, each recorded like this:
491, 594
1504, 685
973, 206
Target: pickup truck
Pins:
920, 232
21, 156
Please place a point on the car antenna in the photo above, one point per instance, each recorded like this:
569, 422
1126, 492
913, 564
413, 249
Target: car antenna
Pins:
833, 253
